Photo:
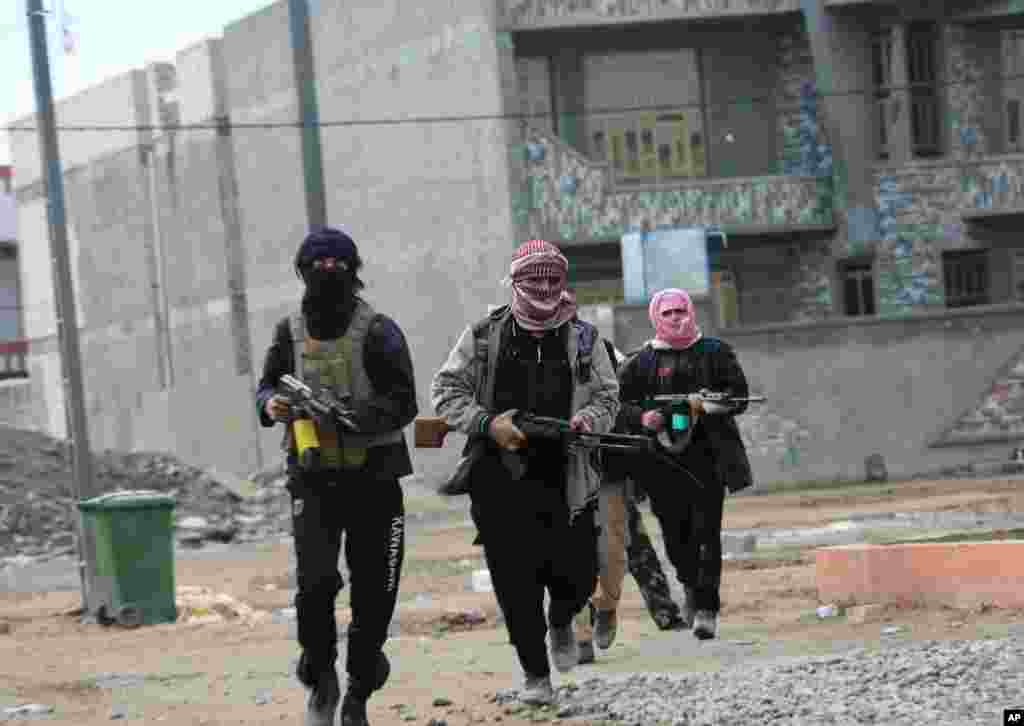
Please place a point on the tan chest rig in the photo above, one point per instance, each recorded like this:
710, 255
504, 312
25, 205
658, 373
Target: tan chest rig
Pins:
337, 365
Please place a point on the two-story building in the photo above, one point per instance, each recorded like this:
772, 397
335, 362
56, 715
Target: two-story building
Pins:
862, 157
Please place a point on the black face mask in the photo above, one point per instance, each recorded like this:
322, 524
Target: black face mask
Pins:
328, 286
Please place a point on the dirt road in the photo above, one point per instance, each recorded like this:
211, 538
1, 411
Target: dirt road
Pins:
237, 673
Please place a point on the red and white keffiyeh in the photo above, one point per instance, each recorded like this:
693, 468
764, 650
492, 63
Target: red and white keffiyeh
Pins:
545, 306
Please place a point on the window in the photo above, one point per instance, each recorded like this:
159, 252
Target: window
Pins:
881, 48
1017, 259
922, 39
642, 113
923, 76
1013, 85
1013, 124
967, 278
858, 281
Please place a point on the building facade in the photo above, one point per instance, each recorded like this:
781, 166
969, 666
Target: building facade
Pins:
862, 157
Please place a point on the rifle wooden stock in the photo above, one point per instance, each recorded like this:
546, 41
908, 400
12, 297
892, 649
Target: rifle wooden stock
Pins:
429, 432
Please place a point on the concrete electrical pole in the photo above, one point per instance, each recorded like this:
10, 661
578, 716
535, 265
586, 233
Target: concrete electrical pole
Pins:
305, 87
67, 319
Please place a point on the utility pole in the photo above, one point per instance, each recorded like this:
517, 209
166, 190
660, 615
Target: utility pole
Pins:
305, 87
64, 293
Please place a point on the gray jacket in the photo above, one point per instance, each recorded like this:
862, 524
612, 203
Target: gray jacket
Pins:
463, 393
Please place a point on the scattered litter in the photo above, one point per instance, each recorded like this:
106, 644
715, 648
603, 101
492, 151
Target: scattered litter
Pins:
193, 523
828, 611
481, 581
860, 614
201, 605
464, 618
28, 709
892, 629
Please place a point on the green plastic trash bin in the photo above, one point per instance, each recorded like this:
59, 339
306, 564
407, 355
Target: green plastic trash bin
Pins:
133, 582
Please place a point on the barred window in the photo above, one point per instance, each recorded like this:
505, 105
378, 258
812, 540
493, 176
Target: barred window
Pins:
967, 279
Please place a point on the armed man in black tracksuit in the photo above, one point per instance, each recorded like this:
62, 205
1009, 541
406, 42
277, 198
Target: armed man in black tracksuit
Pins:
335, 342
539, 531
689, 507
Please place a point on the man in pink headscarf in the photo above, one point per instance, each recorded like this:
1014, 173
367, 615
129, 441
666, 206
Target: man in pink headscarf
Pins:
682, 360
539, 533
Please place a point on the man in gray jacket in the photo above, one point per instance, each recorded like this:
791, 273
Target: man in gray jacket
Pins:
539, 532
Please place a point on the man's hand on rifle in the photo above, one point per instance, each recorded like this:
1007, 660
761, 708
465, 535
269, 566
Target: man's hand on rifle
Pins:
652, 420
279, 408
581, 423
505, 433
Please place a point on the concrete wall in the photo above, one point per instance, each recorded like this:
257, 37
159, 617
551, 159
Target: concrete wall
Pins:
927, 393
182, 241
16, 403
427, 202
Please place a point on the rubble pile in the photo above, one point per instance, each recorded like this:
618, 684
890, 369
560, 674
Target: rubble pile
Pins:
37, 502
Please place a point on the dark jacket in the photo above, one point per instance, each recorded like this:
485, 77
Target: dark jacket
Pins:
389, 366
719, 370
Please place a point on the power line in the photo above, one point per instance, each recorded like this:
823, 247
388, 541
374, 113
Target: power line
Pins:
224, 123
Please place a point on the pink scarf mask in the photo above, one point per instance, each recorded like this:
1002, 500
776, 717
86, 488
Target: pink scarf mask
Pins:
677, 333
545, 307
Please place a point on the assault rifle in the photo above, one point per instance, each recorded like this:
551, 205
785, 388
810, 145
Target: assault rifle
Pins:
430, 432
308, 411
319, 406
678, 414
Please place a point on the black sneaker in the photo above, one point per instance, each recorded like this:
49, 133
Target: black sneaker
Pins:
586, 652
353, 711
671, 621
705, 625
537, 691
564, 650
323, 700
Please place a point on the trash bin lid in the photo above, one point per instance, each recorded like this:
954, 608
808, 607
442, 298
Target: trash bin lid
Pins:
139, 499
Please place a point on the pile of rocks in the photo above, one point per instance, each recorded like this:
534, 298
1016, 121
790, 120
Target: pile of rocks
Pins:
37, 499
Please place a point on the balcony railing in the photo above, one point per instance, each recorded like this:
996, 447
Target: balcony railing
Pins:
523, 14
568, 197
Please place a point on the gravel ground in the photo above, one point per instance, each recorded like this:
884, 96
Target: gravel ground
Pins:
933, 682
